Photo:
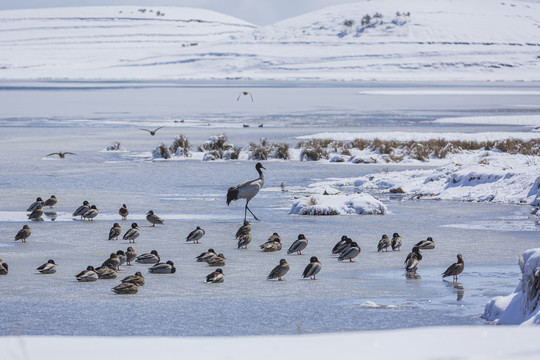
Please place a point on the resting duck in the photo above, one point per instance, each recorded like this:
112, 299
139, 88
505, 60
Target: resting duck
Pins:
113, 260
82, 209
126, 289
219, 260
243, 241
137, 279
384, 243
91, 213
87, 275
148, 258
39, 201
350, 253
215, 276
427, 244
48, 268
106, 272
312, 268
50, 202
207, 255
298, 245
273, 244
3, 268
115, 231
163, 268
36, 214
455, 269
396, 242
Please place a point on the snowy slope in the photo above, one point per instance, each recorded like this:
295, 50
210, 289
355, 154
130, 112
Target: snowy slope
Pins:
428, 40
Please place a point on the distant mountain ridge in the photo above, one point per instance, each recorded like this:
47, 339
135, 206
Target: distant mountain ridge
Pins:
386, 40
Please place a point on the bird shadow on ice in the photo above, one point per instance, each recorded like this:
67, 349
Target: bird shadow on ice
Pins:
457, 287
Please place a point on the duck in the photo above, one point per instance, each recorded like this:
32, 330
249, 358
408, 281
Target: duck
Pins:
312, 269
39, 201
126, 289
153, 219
244, 229
279, 271
219, 260
48, 268
23, 234
137, 279
273, 244
113, 260
3, 268
298, 245
106, 272
455, 269
36, 214
115, 231
163, 268
131, 255
121, 256
204, 256
350, 253
148, 258
195, 235
427, 244
384, 243
412, 262
132, 233
339, 244
91, 213
82, 209
243, 241
123, 211
344, 247
215, 276
50, 202
396, 242
87, 275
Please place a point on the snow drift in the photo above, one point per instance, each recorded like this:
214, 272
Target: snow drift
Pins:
522, 306
338, 204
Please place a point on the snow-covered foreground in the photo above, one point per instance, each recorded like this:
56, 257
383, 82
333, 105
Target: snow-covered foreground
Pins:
423, 40
445, 342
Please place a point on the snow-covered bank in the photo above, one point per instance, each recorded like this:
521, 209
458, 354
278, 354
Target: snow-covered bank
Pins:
469, 176
523, 305
338, 204
517, 343
366, 40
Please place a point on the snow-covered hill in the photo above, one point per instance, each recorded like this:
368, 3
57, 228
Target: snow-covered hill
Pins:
366, 40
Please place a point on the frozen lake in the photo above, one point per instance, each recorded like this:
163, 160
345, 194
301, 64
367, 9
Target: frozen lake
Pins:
373, 293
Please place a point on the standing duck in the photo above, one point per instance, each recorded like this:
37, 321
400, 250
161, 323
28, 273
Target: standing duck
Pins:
244, 229
279, 270
50, 202
350, 253
148, 258
195, 235
82, 209
247, 190
340, 243
163, 268
131, 255
412, 262
427, 244
23, 234
298, 245
121, 256
115, 231
153, 218
455, 269
39, 201
137, 279
48, 268
87, 275
36, 214
243, 241
126, 289
91, 213
132, 233
123, 211
384, 243
3, 268
312, 268
343, 247
396, 242
215, 276
113, 260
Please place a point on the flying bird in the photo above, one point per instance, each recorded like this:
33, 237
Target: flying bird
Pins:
247, 190
62, 154
153, 132
245, 93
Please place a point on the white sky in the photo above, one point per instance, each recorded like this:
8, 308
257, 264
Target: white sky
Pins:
259, 12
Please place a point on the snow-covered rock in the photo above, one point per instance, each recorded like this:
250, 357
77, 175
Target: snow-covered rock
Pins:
523, 305
338, 204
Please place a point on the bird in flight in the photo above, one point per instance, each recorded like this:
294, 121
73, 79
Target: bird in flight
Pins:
153, 132
61, 154
245, 93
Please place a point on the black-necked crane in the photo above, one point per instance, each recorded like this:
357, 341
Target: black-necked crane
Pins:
247, 190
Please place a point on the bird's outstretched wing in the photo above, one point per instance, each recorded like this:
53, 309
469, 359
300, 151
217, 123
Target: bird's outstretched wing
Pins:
70, 153
161, 127
147, 130
54, 154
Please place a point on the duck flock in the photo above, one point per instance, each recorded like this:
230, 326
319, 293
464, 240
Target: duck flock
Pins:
344, 249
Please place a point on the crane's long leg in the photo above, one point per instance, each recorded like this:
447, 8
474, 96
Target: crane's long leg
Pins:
251, 213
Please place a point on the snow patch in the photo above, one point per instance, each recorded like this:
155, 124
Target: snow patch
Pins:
338, 204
